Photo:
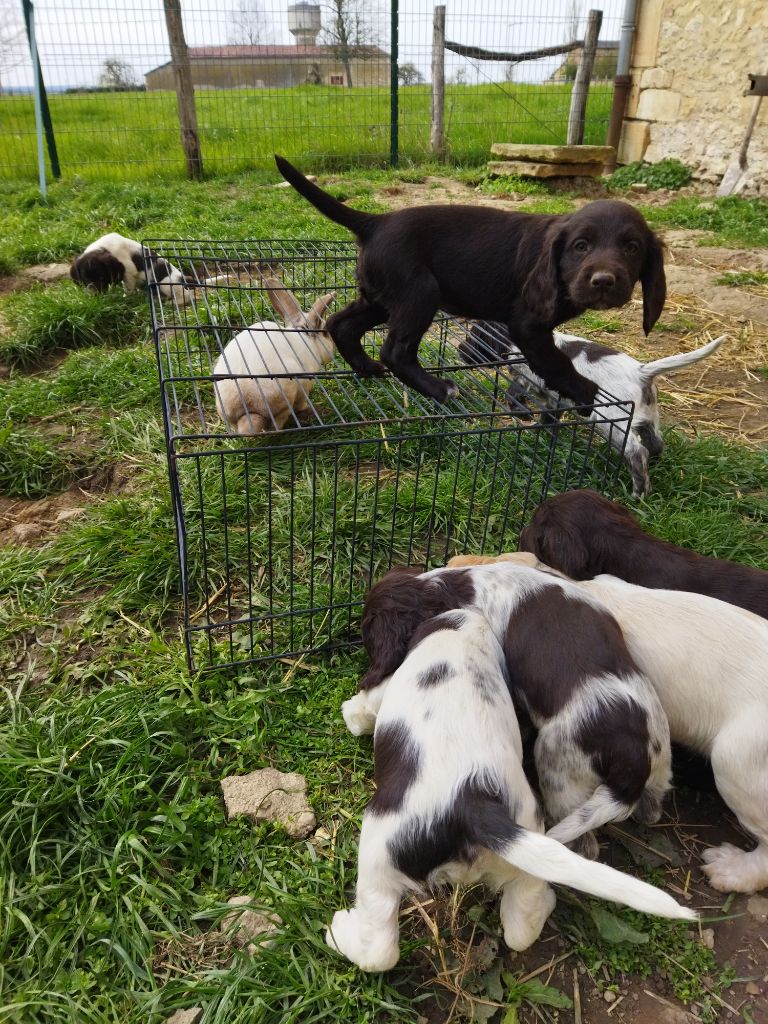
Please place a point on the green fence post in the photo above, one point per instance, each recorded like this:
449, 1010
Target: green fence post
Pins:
50, 139
393, 93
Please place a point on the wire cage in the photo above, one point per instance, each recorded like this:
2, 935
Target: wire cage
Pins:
280, 535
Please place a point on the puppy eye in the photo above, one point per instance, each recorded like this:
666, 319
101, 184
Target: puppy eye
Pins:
632, 248
581, 245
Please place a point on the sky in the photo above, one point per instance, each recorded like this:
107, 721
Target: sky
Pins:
75, 37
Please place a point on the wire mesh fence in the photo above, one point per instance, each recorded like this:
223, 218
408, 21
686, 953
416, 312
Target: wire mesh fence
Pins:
281, 535
312, 80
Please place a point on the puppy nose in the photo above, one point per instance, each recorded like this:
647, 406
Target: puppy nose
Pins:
602, 279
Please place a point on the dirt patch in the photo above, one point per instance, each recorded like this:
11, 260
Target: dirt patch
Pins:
40, 273
33, 522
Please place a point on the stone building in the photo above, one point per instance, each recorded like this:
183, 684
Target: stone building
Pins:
604, 68
276, 67
690, 62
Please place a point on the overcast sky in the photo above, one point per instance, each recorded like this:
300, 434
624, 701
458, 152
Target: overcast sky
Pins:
75, 37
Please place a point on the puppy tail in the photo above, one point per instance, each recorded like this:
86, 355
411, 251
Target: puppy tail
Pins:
648, 371
331, 208
545, 858
601, 808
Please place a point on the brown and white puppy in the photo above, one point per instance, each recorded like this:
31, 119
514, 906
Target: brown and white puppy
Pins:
531, 272
464, 818
583, 534
115, 259
602, 751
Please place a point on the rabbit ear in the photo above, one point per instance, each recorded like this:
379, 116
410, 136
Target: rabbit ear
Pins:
284, 302
316, 314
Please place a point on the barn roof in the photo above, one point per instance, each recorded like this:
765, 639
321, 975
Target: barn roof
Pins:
273, 52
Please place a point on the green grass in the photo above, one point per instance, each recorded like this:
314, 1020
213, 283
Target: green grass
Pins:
321, 126
116, 858
744, 278
732, 221
665, 174
45, 320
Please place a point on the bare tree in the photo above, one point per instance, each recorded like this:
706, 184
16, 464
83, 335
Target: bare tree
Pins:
574, 19
12, 51
250, 24
117, 74
409, 74
350, 33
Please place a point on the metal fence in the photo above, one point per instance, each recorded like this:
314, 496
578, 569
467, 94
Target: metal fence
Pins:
330, 84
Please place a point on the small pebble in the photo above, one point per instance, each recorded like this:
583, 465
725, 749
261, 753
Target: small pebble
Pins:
752, 988
708, 937
639, 186
608, 996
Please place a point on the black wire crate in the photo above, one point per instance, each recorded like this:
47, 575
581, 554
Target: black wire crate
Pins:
280, 533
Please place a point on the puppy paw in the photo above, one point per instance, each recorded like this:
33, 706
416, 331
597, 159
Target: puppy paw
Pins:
367, 367
344, 937
358, 719
523, 919
729, 869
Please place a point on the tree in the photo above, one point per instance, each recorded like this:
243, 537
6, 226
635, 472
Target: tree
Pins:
350, 33
117, 74
12, 51
251, 26
409, 74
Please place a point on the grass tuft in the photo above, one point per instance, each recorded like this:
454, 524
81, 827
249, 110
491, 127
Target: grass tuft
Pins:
44, 320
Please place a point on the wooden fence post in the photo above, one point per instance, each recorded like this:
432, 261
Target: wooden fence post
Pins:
577, 113
185, 92
437, 130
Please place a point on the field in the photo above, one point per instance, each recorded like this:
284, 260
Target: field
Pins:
97, 134
116, 858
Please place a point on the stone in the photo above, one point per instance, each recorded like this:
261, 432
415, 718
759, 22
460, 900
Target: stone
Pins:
191, 1016
659, 105
46, 273
523, 169
609, 996
635, 136
752, 989
553, 154
656, 78
708, 937
270, 795
646, 42
243, 926
639, 186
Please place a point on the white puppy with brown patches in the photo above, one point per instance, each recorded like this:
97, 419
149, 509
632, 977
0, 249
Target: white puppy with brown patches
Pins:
452, 802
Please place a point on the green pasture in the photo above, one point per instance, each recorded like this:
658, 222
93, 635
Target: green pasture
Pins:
99, 134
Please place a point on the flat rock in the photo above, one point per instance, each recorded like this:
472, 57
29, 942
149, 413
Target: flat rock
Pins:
46, 273
243, 926
758, 907
191, 1016
553, 154
523, 169
270, 795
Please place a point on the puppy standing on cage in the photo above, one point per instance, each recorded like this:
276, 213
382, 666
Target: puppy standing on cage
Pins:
115, 259
529, 271
466, 817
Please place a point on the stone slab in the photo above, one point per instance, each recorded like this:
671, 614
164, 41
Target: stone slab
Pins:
553, 154
270, 795
191, 1016
523, 169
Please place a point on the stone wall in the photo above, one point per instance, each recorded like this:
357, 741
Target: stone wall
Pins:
689, 69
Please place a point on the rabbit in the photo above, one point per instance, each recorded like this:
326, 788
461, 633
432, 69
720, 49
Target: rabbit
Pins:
250, 396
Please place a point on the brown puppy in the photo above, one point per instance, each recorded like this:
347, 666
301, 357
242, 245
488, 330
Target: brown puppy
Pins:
583, 534
529, 271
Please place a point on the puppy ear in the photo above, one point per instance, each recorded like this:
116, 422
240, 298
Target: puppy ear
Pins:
542, 284
654, 282
390, 616
559, 546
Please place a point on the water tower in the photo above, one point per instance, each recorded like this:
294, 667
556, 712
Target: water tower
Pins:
304, 23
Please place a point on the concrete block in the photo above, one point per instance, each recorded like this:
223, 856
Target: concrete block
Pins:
635, 136
656, 78
524, 169
659, 105
647, 34
553, 154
